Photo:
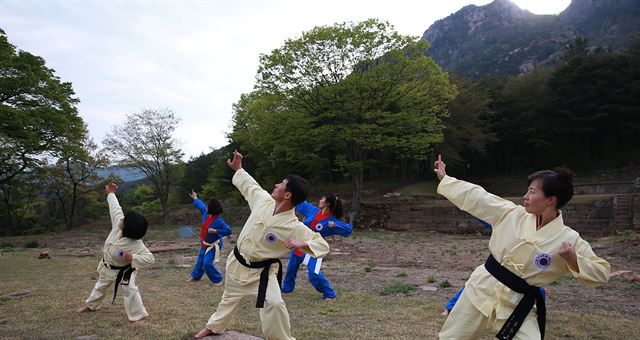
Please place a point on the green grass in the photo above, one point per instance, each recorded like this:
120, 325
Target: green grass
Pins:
445, 284
399, 288
622, 236
179, 309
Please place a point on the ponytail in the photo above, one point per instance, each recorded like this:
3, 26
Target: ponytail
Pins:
335, 204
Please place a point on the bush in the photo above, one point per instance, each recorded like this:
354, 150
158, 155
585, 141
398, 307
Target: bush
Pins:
397, 288
96, 210
149, 207
445, 284
431, 278
403, 274
6, 244
31, 244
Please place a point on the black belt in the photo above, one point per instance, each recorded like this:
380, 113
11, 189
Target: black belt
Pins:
531, 293
123, 277
264, 275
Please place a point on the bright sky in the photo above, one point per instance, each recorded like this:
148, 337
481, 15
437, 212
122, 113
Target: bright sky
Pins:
195, 57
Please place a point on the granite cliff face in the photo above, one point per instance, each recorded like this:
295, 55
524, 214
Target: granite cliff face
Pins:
501, 38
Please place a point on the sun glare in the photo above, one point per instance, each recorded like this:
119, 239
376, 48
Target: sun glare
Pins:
543, 6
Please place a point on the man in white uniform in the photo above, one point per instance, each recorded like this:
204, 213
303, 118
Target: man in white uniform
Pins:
270, 232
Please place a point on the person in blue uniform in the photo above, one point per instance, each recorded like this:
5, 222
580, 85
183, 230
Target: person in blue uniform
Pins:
213, 229
324, 219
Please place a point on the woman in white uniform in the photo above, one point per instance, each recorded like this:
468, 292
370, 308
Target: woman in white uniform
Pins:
530, 247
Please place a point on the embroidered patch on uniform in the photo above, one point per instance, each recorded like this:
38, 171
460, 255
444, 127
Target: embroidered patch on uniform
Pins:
543, 261
270, 237
318, 226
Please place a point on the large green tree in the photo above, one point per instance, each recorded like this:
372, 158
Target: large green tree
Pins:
38, 121
468, 130
145, 141
72, 177
346, 92
38, 115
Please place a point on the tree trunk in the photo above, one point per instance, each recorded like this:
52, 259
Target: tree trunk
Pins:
357, 178
74, 200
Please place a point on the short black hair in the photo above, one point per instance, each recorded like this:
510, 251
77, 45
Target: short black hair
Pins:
298, 188
135, 225
214, 207
557, 182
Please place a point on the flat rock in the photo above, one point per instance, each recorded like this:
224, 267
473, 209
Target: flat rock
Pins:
87, 337
429, 288
231, 335
620, 272
18, 294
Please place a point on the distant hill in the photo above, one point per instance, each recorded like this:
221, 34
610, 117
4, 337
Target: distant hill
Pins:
500, 38
127, 174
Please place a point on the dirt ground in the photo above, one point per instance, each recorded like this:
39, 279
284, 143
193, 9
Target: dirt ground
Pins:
363, 265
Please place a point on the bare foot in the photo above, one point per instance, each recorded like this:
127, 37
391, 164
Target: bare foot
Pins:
328, 300
84, 309
203, 333
445, 313
141, 322
217, 284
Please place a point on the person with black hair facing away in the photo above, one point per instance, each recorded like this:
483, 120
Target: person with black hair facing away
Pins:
122, 255
271, 231
213, 229
324, 219
530, 247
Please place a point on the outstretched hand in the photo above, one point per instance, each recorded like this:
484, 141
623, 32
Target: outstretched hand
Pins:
236, 163
193, 194
439, 168
111, 188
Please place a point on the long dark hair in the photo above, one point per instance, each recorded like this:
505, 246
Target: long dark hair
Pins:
335, 204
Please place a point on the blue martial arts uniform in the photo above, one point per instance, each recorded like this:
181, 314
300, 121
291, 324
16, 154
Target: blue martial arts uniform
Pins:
205, 264
319, 281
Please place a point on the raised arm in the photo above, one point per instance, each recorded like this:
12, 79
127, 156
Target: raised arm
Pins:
472, 198
306, 209
198, 203
115, 211
249, 188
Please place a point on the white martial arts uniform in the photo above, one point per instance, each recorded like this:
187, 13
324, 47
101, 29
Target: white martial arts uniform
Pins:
142, 257
262, 238
532, 255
